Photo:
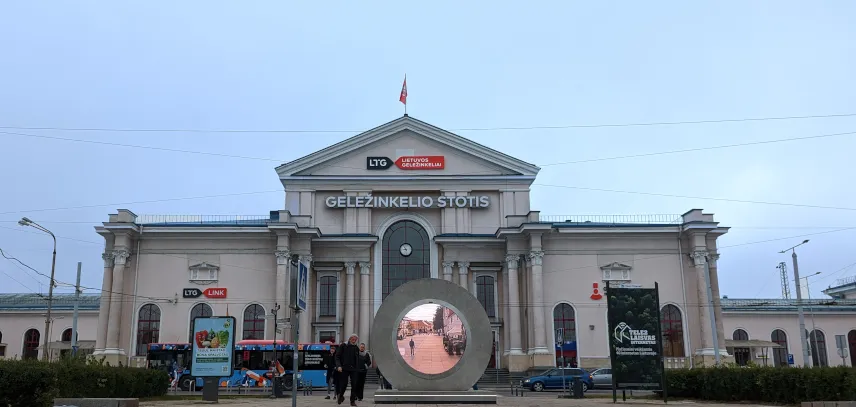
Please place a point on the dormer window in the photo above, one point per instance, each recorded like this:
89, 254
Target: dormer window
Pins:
616, 272
204, 273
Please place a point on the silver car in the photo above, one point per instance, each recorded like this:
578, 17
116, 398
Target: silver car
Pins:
602, 378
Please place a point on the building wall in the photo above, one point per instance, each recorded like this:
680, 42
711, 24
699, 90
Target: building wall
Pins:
762, 326
14, 324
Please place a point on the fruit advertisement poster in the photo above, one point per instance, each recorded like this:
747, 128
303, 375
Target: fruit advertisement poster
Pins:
213, 346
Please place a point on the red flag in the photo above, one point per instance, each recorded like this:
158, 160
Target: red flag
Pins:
403, 97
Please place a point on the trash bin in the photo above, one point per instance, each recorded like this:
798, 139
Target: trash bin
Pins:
278, 386
577, 387
287, 382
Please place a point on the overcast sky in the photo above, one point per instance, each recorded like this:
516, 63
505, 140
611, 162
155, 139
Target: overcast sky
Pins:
215, 65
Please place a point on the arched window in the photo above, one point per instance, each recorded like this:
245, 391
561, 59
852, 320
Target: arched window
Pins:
851, 340
199, 310
742, 355
31, 344
780, 355
66, 335
818, 349
148, 327
485, 294
254, 322
327, 296
406, 252
672, 330
564, 317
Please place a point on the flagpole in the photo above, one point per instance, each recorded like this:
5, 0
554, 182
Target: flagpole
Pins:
405, 100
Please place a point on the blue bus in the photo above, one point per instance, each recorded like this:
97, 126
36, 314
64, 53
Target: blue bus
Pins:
256, 362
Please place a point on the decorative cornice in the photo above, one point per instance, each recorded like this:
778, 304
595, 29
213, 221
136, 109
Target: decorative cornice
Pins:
108, 259
120, 257
616, 266
282, 257
350, 266
365, 267
536, 257
512, 261
699, 257
204, 265
463, 267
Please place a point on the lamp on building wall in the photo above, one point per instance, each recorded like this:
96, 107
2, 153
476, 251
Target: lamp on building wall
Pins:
27, 222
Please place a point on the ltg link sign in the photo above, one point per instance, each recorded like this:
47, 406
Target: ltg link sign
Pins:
408, 162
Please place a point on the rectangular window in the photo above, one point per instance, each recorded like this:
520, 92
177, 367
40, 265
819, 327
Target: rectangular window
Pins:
616, 275
327, 336
485, 294
2, 351
327, 296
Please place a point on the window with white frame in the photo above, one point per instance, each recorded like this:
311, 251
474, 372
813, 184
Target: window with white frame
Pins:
616, 272
485, 290
204, 273
327, 289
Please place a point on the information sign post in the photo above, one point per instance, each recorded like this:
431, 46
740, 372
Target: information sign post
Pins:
213, 350
300, 286
560, 342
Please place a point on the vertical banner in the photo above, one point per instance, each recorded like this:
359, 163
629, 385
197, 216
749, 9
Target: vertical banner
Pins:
213, 346
635, 343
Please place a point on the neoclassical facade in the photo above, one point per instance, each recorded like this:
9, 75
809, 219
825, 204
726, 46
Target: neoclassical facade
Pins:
405, 201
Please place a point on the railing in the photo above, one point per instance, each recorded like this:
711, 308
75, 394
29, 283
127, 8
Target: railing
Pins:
203, 219
844, 281
615, 219
731, 303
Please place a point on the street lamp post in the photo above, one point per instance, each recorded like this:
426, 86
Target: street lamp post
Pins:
811, 312
804, 341
27, 222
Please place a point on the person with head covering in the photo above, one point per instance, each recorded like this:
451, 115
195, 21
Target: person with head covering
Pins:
348, 362
366, 363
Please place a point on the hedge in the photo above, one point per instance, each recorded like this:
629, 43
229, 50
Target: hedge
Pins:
764, 384
37, 383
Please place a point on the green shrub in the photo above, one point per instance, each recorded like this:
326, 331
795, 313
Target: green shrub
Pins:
765, 384
37, 383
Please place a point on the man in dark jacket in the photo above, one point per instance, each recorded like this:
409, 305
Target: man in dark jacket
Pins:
348, 363
366, 363
330, 365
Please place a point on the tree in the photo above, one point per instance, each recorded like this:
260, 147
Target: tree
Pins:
438, 319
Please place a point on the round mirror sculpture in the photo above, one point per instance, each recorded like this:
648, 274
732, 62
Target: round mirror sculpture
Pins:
467, 332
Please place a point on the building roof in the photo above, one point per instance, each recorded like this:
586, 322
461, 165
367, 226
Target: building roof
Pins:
787, 305
34, 302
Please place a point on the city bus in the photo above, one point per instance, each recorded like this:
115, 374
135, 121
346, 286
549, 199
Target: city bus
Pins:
255, 362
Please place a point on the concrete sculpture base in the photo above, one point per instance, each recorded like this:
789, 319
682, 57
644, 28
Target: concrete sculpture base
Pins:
434, 397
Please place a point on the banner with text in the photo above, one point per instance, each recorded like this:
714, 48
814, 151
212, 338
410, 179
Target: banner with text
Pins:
213, 346
634, 337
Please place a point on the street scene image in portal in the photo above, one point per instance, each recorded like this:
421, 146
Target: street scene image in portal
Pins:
431, 338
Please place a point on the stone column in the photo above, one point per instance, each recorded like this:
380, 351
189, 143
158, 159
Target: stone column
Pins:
349, 299
513, 306
104, 308
704, 310
463, 269
504, 312
365, 305
307, 317
537, 304
283, 295
114, 327
447, 270
717, 303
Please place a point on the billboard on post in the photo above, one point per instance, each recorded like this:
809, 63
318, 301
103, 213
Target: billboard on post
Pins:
635, 342
213, 346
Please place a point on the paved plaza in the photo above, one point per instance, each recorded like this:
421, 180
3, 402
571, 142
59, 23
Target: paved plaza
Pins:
429, 356
531, 400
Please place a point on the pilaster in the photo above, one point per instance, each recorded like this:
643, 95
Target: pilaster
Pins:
463, 270
365, 306
539, 311
114, 327
104, 306
349, 298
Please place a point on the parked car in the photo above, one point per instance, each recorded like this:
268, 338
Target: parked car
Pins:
602, 378
553, 378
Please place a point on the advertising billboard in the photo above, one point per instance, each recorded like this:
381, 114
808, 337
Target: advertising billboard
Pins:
213, 346
635, 342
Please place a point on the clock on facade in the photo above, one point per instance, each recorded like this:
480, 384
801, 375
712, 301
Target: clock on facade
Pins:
405, 250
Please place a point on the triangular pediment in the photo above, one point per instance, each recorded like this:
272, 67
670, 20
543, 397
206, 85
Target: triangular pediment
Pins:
406, 137
615, 266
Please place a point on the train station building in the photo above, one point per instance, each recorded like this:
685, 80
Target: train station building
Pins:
404, 201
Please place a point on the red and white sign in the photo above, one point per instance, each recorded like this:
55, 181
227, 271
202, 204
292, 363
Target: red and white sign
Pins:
215, 292
421, 162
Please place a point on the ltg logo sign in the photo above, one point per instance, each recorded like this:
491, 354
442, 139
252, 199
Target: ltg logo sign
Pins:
208, 292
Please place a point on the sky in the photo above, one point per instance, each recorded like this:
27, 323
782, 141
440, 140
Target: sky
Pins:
216, 65
424, 312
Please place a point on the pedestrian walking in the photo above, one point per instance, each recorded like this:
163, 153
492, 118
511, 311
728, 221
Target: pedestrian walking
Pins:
330, 365
412, 347
347, 367
365, 364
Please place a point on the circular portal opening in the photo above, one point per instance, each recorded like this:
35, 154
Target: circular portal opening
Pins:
431, 337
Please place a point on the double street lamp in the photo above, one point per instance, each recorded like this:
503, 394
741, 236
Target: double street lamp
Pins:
804, 340
27, 222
